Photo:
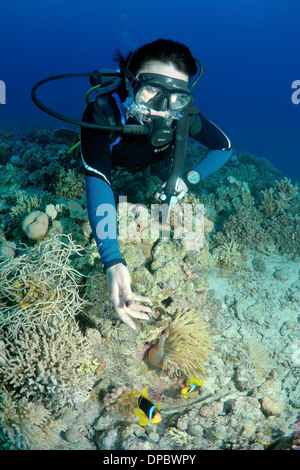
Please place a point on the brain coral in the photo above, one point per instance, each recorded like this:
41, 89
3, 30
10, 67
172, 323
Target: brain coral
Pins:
35, 225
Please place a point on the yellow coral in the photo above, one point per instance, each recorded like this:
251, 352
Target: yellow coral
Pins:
229, 256
122, 401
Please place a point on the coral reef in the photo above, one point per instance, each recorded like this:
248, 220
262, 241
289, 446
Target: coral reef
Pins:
71, 372
121, 400
276, 200
69, 184
228, 255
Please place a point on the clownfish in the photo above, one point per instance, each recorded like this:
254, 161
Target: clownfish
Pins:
192, 386
147, 411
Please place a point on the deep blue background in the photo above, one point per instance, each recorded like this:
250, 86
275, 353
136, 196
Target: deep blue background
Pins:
250, 50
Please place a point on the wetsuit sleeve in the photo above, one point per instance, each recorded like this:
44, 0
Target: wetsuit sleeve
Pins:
103, 220
101, 206
208, 134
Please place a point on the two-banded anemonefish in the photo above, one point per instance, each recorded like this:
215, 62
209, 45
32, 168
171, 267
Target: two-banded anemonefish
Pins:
147, 411
192, 386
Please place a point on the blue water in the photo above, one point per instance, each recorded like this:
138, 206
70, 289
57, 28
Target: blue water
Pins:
249, 48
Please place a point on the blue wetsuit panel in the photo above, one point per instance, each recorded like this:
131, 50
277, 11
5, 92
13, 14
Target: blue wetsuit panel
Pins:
103, 220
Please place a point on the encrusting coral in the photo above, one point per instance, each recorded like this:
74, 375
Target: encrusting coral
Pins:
185, 347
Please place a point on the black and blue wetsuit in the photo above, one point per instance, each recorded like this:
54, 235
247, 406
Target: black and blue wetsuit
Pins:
100, 156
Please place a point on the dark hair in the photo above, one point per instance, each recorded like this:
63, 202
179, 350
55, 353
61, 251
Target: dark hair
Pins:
164, 50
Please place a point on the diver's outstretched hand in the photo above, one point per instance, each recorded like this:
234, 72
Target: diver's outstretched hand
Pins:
122, 297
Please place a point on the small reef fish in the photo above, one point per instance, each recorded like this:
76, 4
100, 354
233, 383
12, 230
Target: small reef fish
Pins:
147, 411
192, 386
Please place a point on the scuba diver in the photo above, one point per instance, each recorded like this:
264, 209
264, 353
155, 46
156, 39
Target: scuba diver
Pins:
154, 89
141, 118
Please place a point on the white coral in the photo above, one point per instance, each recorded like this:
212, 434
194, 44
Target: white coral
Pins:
40, 284
27, 426
52, 364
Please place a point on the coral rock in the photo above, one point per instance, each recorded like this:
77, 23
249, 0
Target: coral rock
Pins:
271, 406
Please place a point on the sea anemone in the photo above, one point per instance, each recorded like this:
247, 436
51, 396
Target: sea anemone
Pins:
257, 359
184, 347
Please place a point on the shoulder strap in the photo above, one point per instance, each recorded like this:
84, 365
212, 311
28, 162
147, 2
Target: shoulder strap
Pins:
194, 120
107, 112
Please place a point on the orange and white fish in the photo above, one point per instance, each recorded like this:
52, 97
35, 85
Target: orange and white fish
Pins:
147, 411
192, 387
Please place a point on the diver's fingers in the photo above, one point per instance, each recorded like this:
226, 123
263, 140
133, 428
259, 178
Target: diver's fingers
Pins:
114, 296
141, 308
137, 314
125, 318
141, 298
125, 314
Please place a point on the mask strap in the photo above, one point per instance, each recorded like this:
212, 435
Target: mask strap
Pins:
126, 72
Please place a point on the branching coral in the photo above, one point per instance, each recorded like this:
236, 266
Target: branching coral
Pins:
25, 203
229, 256
51, 364
69, 184
27, 426
187, 345
244, 227
276, 200
40, 284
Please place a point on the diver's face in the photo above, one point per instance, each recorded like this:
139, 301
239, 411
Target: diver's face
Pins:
155, 66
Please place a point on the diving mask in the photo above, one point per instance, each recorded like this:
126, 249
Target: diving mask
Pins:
162, 93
